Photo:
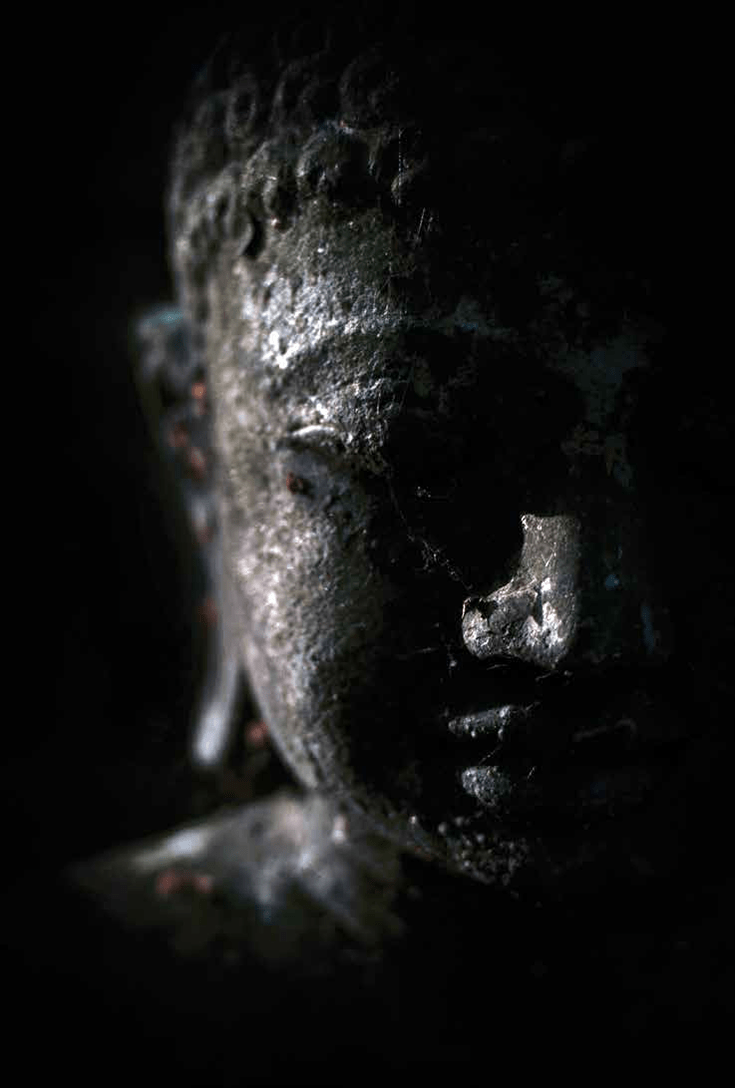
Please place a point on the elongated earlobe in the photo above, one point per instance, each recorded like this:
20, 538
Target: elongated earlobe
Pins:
173, 388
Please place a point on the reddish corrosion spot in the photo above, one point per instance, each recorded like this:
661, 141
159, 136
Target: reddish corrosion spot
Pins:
199, 396
197, 463
167, 882
256, 734
297, 484
202, 882
207, 612
205, 532
170, 881
178, 436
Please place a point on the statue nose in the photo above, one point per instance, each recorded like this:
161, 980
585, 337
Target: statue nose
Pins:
581, 594
534, 616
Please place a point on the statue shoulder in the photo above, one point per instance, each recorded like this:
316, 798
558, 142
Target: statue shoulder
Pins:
288, 880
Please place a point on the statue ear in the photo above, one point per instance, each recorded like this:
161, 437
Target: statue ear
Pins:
172, 386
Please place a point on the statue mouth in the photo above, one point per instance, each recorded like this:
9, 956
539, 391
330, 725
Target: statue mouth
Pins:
518, 792
584, 746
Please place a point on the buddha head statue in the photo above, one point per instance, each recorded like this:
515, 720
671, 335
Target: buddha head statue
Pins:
465, 495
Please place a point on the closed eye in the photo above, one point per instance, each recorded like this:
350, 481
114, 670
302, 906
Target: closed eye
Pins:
316, 437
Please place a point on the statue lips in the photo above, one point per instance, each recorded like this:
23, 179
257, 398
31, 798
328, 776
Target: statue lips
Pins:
594, 744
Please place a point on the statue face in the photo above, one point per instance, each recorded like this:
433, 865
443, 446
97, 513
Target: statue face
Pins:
457, 548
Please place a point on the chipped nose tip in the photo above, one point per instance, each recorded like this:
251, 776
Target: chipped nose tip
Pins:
533, 617
485, 606
496, 625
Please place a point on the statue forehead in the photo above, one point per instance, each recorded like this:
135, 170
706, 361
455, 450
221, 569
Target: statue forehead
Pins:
325, 281
337, 310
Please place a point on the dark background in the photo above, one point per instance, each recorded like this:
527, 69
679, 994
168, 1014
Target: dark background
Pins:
109, 632
97, 754
117, 585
